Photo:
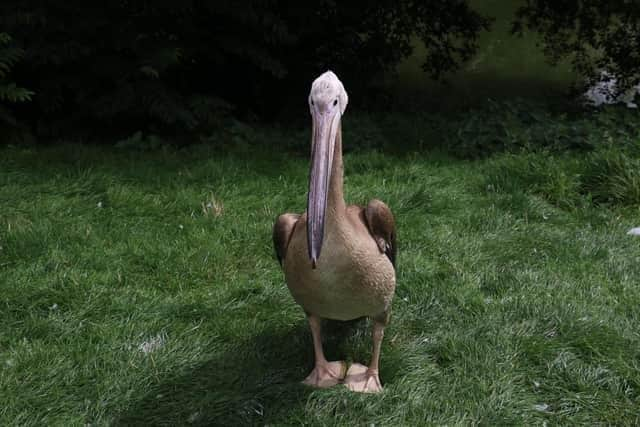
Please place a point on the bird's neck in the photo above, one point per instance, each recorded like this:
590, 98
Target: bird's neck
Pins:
335, 199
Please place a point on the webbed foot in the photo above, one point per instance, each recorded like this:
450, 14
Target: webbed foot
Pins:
327, 374
362, 379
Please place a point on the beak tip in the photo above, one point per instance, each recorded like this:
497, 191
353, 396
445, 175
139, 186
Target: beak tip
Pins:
314, 263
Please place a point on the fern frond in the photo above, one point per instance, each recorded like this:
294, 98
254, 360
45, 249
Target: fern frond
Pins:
10, 92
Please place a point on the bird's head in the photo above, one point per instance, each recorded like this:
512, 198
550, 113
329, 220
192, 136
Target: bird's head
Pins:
327, 103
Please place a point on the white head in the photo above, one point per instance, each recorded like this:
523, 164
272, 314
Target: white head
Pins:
327, 94
327, 103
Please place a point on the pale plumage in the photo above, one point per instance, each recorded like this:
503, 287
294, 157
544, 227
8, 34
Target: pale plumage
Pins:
338, 260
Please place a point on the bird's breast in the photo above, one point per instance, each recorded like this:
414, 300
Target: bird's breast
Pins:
352, 277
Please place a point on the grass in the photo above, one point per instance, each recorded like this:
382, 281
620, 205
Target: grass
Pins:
139, 287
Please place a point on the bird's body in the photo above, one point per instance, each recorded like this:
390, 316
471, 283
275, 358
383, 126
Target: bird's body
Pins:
338, 260
353, 278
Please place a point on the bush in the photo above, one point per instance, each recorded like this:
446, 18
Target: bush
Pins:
180, 66
515, 126
595, 35
10, 93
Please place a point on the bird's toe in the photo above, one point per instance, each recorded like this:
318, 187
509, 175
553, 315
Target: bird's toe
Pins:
326, 374
362, 379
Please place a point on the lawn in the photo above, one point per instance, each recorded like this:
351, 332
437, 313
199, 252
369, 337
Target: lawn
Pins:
140, 287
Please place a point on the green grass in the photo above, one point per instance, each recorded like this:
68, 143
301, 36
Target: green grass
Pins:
139, 287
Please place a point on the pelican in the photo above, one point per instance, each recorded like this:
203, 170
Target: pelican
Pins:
338, 260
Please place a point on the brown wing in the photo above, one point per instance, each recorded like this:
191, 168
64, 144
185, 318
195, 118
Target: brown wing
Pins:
382, 227
282, 231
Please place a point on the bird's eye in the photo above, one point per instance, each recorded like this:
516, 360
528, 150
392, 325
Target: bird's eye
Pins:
335, 102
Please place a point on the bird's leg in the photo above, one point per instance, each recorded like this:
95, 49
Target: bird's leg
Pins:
366, 379
378, 335
324, 374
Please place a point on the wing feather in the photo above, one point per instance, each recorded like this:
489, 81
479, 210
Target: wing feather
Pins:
382, 227
282, 231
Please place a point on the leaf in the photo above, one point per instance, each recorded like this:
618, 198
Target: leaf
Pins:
12, 93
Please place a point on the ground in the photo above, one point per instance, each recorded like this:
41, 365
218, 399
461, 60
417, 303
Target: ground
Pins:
140, 287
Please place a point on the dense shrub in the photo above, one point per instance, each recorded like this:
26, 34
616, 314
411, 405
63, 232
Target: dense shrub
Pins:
181, 65
595, 35
10, 93
526, 126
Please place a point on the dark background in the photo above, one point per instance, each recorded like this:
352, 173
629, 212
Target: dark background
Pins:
104, 70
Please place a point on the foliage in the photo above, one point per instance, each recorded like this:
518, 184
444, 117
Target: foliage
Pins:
11, 93
182, 65
597, 35
497, 126
519, 125
571, 159
140, 141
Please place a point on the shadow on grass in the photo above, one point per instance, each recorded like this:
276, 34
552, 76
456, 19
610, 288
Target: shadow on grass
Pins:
256, 381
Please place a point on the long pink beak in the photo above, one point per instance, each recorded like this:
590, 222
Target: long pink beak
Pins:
322, 145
